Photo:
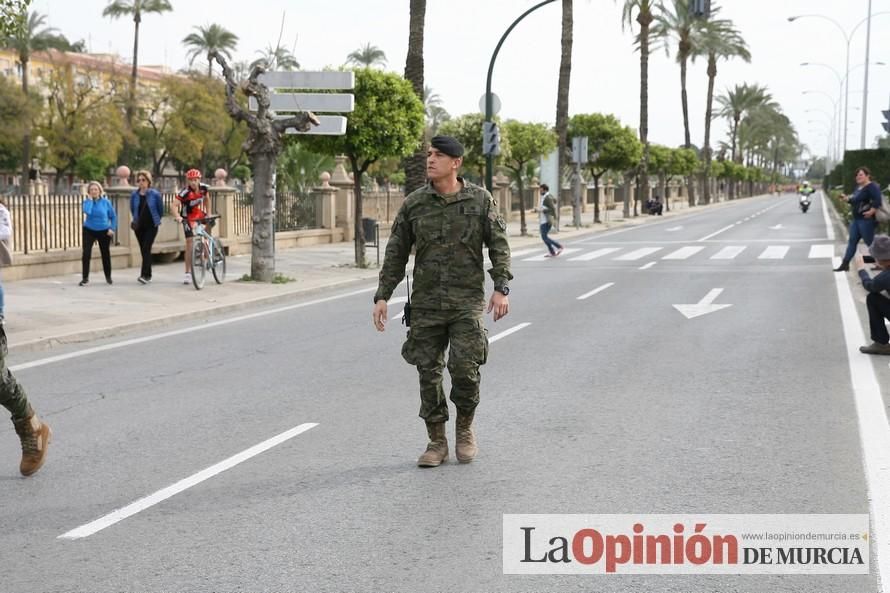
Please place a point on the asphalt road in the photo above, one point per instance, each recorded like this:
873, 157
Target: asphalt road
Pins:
606, 398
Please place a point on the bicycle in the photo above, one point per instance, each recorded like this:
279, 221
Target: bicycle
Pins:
207, 253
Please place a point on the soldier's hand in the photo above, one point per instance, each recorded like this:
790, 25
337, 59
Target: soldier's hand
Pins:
379, 315
500, 304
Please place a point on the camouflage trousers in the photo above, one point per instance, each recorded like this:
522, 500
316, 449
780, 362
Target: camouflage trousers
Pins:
12, 395
464, 335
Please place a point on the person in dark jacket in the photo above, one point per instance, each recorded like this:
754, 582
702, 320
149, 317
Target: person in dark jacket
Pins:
864, 204
146, 208
878, 304
99, 225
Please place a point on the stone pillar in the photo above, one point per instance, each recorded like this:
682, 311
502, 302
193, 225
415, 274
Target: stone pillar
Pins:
503, 194
326, 204
345, 202
119, 194
222, 202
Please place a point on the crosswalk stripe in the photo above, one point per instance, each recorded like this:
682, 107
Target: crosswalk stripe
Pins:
543, 256
595, 254
729, 252
637, 254
774, 252
821, 251
683, 252
587, 295
522, 252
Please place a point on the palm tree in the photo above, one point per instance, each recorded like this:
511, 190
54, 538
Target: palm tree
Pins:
119, 8
207, 40
33, 36
562, 102
719, 40
277, 58
735, 104
370, 55
684, 28
415, 165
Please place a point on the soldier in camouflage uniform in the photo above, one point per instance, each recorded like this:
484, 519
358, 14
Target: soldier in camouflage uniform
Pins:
34, 434
448, 222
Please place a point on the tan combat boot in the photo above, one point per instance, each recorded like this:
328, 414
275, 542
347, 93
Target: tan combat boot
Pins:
35, 436
465, 446
437, 449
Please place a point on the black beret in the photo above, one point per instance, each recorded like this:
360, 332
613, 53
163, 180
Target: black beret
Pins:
448, 145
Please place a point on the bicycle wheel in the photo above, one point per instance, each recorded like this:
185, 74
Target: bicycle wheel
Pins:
219, 261
199, 263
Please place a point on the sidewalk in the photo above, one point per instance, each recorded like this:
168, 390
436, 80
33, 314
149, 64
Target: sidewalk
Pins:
44, 312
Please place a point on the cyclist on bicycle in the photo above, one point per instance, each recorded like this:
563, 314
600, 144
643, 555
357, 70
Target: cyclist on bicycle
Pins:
192, 203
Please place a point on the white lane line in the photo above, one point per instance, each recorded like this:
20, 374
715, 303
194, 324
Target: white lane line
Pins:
821, 251
874, 430
587, 295
774, 252
595, 254
729, 252
683, 252
184, 484
649, 265
829, 230
507, 332
637, 254
544, 256
522, 252
726, 228
177, 332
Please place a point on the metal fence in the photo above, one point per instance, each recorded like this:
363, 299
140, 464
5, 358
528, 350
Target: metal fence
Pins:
295, 212
45, 223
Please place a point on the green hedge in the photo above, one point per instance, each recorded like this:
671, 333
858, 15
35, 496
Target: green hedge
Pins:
876, 159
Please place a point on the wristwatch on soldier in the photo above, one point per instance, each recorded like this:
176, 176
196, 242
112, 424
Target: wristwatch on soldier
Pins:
504, 290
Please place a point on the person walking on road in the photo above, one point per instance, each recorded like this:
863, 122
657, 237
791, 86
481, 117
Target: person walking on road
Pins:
192, 203
99, 225
864, 204
546, 218
448, 221
34, 434
146, 209
878, 305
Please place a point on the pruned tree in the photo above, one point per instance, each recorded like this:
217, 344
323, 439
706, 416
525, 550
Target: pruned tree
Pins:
528, 142
415, 164
13, 16
263, 145
387, 122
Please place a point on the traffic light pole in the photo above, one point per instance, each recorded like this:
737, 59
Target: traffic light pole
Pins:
489, 158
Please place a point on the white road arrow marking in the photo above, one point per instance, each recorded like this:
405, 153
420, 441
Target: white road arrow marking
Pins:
703, 307
775, 228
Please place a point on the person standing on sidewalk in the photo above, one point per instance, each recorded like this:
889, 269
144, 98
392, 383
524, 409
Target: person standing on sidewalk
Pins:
98, 227
448, 221
546, 217
146, 209
34, 435
864, 204
192, 203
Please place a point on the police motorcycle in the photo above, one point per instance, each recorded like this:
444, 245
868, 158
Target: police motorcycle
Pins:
804, 202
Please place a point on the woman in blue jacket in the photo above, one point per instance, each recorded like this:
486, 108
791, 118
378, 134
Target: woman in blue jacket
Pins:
99, 225
146, 207
864, 204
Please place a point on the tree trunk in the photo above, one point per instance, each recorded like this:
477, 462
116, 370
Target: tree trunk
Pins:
706, 149
690, 179
357, 173
627, 190
415, 165
26, 139
644, 19
131, 101
596, 198
562, 98
262, 262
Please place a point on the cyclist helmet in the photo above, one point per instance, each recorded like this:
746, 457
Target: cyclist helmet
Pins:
193, 174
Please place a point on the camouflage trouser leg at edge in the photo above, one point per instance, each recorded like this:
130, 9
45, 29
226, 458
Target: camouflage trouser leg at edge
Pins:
430, 334
12, 395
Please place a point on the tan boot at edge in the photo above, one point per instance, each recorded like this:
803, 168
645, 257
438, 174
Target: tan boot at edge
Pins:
35, 436
465, 446
437, 449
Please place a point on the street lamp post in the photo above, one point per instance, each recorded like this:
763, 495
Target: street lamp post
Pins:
847, 38
489, 158
837, 121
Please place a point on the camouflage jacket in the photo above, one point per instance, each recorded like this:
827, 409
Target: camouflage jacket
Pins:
448, 235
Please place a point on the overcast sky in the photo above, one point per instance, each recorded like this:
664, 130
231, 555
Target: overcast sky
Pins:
461, 35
